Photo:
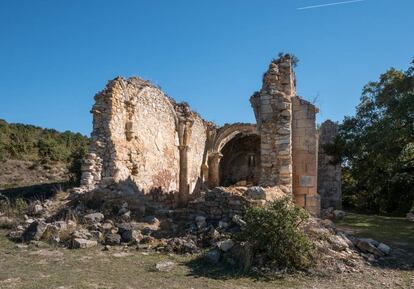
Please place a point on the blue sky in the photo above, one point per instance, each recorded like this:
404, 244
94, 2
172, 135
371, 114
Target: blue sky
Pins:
55, 55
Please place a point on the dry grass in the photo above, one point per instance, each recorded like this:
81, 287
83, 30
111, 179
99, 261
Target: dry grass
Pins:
31, 267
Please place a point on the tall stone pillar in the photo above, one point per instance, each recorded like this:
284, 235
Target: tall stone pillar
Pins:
273, 110
184, 134
183, 179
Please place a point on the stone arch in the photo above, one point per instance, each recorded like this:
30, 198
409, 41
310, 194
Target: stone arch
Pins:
243, 139
228, 132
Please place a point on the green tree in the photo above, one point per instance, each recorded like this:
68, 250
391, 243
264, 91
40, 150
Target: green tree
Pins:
377, 146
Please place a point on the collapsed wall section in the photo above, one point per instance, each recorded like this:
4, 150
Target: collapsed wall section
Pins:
305, 155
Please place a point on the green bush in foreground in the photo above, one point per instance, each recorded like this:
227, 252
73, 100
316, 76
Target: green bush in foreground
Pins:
274, 234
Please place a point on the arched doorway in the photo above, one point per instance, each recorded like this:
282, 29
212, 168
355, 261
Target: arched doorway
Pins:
240, 161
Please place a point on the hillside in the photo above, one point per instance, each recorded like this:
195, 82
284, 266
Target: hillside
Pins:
31, 155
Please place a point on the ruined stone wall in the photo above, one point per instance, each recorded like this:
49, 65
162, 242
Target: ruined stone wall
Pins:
142, 137
163, 150
305, 155
329, 172
273, 109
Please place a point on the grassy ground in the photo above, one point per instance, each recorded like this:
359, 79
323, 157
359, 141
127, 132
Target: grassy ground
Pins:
395, 232
32, 267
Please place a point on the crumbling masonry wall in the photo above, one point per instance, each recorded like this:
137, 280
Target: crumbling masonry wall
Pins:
305, 155
272, 106
143, 137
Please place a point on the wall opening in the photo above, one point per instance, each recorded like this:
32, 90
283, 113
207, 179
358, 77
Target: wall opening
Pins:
240, 164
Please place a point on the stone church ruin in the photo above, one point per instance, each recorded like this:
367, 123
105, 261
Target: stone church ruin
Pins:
147, 146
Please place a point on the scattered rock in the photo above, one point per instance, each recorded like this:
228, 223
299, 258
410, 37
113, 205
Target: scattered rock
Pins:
39, 244
242, 254
213, 256
35, 208
338, 214
22, 246
123, 227
126, 216
106, 227
6, 222
124, 209
384, 248
338, 243
371, 241
256, 193
34, 231
147, 240
164, 266
16, 236
346, 239
213, 234
152, 220
189, 247
200, 222
81, 234
83, 243
131, 236
238, 220
97, 235
226, 245
223, 224
112, 239
368, 247
328, 223
94, 218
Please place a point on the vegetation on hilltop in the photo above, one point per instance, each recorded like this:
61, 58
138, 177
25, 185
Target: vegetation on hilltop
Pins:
32, 143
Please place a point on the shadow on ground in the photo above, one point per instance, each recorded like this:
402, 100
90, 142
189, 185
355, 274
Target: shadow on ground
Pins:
36, 192
199, 267
393, 231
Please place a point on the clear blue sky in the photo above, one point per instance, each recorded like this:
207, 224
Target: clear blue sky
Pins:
55, 55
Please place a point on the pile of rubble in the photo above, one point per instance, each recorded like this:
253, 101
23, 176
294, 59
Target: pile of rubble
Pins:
209, 225
223, 203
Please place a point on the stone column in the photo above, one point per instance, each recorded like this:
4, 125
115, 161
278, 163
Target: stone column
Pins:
214, 171
184, 134
183, 185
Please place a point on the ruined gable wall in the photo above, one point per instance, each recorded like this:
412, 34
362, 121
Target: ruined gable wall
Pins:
305, 155
148, 141
139, 138
139, 143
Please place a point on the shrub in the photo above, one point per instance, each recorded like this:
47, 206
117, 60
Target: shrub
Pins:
274, 233
75, 165
19, 207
